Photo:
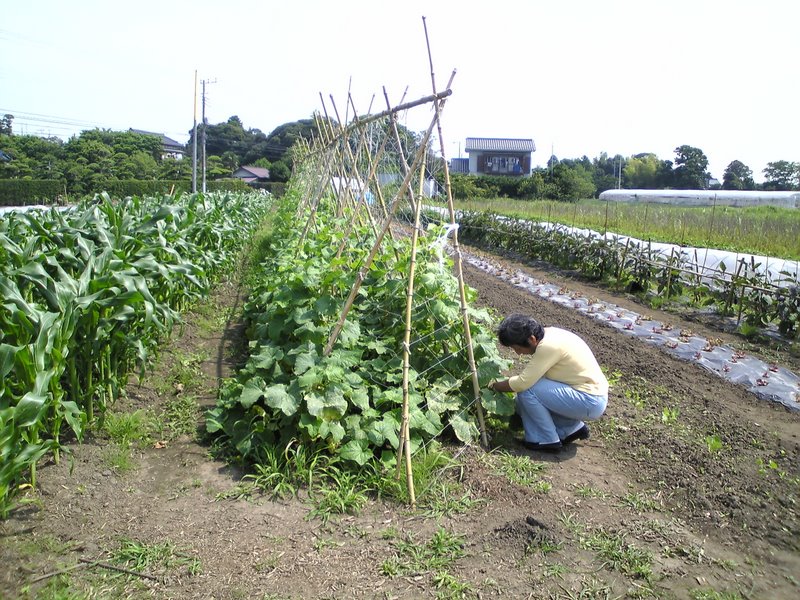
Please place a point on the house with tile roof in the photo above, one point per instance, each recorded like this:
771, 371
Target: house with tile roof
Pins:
169, 147
496, 156
252, 174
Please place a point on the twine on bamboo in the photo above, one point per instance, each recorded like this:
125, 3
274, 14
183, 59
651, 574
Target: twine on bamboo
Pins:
376, 246
476, 388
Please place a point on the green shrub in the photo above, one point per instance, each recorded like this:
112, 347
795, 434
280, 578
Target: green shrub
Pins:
22, 192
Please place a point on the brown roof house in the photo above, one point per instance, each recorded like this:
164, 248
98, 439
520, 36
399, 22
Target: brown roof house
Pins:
496, 156
251, 174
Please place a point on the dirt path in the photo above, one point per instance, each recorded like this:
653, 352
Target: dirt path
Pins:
650, 506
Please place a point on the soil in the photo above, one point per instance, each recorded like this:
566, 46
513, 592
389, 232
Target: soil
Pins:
693, 475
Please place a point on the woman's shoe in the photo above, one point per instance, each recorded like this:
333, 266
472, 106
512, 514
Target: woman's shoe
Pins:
581, 434
553, 447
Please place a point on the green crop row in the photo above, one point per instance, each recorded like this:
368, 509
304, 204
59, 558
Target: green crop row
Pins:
350, 401
635, 267
87, 293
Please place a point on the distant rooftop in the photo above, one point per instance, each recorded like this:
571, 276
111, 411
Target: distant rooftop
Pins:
500, 144
165, 141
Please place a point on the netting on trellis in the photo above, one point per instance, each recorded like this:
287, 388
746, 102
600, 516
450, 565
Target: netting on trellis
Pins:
372, 170
362, 336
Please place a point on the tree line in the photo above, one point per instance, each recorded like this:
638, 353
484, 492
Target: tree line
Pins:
88, 162
574, 179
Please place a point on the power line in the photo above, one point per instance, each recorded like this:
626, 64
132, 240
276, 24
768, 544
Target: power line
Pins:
63, 124
42, 122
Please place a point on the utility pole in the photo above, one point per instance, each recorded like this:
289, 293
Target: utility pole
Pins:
204, 82
194, 138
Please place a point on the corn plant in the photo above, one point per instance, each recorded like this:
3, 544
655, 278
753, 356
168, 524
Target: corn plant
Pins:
87, 295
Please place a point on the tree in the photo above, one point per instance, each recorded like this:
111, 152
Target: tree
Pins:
5, 124
140, 165
230, 160
572, 183
175, 168
643, 171
35, 157
607, 172
215, 168
280, 171
738, 176
228, 137
691, 170
127, 143
782, 175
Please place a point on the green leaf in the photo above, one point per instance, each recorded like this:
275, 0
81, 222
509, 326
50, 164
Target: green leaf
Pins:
332, 430
266, 357
359, 397
498, 403
277, 397
311, 425
327, 305
385, 429
310, 378
356, 450
74, 416
251, 392
440, 397
214, 418
391, 397
489, 369
378, 346
444, 312
329, 407
418, 420
465, 430
304, 362
351, 332
28, 409
7, 353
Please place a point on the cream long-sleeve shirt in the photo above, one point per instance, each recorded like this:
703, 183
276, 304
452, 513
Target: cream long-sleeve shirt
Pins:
562, 356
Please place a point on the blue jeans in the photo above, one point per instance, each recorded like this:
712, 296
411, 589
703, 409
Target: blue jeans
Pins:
552, 410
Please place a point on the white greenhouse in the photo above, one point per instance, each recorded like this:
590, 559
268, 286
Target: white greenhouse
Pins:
705, 197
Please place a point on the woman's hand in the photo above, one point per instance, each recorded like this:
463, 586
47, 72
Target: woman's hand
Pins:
499, 385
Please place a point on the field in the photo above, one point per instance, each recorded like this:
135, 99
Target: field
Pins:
723, 227
687, 488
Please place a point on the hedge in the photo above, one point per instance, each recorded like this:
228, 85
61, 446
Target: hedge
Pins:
22, 192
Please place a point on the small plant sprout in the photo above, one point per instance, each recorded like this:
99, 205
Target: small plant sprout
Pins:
714, 443
669, 416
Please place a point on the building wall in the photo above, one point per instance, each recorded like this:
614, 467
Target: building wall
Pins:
502, 163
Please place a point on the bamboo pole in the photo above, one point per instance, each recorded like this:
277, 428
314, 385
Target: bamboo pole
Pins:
401, 107
322, 183
403, 161
362, 185
376, 246
476, 388
373, 167
404, 448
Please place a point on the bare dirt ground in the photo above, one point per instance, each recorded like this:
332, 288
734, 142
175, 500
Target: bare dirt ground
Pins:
687, 488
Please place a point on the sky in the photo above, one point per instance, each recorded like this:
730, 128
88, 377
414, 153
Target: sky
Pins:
579, 77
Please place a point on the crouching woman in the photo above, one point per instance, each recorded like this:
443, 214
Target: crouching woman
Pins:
561, 386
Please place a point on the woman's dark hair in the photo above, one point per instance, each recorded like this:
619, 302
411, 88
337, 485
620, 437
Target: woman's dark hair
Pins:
516, 329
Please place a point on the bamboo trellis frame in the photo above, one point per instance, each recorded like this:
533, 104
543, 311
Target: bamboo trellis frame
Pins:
344, 152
